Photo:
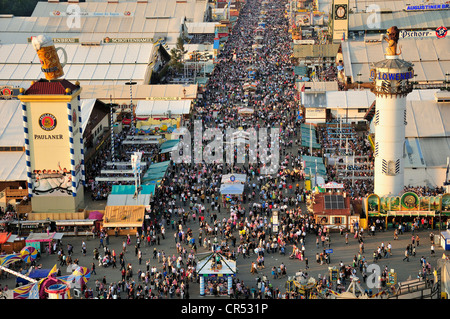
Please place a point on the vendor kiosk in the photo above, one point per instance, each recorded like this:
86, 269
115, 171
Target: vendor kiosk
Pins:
40, 240
216, 274
445, 240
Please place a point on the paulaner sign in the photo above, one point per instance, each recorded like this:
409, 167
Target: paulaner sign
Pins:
48, 137
395, 76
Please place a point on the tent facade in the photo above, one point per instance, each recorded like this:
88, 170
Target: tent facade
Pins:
162, 108
125, 219
232, 189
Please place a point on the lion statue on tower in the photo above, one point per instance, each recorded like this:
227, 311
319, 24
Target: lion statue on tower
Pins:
392, 36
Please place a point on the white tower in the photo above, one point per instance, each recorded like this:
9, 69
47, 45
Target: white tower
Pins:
391, 85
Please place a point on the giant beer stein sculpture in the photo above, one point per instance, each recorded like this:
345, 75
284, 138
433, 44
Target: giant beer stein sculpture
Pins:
48, 55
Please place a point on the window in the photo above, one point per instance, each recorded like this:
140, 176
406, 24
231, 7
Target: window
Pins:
338, 220
12, 149
362, 110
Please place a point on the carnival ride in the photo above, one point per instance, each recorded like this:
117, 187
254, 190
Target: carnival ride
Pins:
49, 287
312, 289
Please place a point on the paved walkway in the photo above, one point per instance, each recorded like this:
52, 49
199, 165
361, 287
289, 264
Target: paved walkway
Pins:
341, 252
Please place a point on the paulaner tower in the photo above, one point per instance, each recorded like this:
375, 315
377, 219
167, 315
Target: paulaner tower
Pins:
391, 86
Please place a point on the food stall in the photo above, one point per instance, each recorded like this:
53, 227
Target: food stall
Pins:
216, 275
42, 240
10, 243
123, 219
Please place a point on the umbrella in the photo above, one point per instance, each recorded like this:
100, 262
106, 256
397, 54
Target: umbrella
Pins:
82, 273
28, 254
96, 215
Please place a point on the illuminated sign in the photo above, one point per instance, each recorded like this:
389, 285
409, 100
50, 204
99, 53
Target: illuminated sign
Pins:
395, 76
428, 7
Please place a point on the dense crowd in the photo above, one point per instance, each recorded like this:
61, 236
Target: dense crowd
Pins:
190, 194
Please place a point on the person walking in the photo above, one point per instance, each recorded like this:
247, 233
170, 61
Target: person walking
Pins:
432, 249
93, 272
83, 248
406, 255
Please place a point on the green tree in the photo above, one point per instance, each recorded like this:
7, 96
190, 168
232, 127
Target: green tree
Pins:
177, 53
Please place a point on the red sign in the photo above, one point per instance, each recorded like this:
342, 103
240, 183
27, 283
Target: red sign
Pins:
441, 32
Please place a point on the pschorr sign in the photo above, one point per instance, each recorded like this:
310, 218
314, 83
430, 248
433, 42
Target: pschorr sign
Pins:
440, 32
417, 34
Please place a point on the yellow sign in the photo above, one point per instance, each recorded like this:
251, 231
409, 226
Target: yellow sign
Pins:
340, 20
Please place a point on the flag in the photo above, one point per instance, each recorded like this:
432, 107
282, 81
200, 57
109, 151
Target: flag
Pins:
34, 292
54, 271
448, 169
446, 182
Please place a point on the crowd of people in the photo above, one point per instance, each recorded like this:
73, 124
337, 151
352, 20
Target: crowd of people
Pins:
190, 193
189, 201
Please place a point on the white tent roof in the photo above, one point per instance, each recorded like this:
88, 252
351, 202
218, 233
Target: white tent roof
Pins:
435, 151
428, 19
193, 10
318, 86
161, 107
11, 125
422, 52
121, 93
13, 167
201, 27
87, 105
127, 200
427, 119
394, 5
105, 64
349, 99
